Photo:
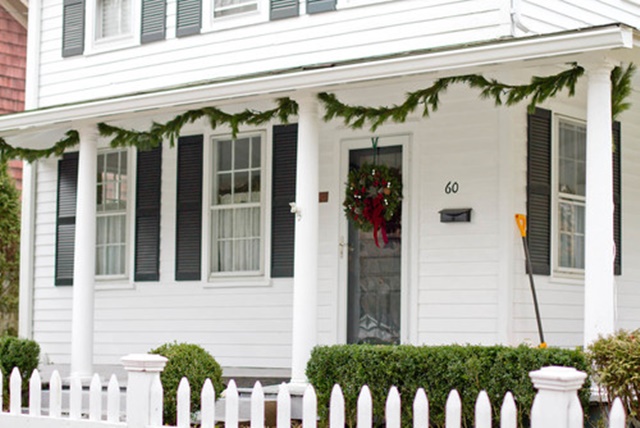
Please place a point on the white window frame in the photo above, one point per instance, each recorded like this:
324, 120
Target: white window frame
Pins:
95, 44
128, 217
212, 23
557, 198
246, 278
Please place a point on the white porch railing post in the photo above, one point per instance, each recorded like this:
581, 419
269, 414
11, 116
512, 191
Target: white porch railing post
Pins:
557, 389
142, 370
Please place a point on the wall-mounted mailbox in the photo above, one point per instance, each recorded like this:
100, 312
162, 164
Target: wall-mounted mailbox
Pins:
455, 215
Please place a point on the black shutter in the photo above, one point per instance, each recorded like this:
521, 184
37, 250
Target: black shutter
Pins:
539, 190
285, 143
189, 209
317, 6
66, 218
152, 27
617, 198
283, 9
147, 245
188, 17
72, 27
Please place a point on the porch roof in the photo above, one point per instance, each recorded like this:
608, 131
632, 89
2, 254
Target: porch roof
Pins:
618, 40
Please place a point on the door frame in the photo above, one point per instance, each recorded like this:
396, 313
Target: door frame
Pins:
346, 145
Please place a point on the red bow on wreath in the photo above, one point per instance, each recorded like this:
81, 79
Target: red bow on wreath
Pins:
373, 197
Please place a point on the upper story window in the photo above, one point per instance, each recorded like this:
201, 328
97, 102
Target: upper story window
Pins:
237, 208
113, 18
223, 8
111, 222
571, 185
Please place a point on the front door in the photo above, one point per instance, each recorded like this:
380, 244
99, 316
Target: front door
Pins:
374, 272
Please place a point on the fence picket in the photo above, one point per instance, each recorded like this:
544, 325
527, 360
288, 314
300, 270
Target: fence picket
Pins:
156, 402
365, 408
75, 398
309, 407
575, 413
231, 406
15, 392
207, 405
1, 393
284, 407
183, 414
95, 398
336, 408
453, 410
617, 418
257, 406
392, 408
113, 400
35, 394
483, 411
55, 395
420, 409
508, 412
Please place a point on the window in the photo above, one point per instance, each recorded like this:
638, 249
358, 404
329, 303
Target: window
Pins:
113, 18
571, 195
111, 224
223, 8
236, 206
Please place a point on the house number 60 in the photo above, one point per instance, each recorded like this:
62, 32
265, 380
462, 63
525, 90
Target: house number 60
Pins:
451, 187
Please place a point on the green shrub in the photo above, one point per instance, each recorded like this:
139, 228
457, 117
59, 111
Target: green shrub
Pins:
21, 353
437, 369
616, 363
194, 363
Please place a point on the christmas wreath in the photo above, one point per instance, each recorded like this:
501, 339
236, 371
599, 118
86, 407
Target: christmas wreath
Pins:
373, 197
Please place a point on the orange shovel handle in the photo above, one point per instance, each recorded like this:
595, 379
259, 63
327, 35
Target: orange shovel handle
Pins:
521, 219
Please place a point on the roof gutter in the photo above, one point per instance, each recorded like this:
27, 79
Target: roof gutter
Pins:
503, 51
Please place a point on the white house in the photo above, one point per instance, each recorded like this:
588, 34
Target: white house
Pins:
124, 250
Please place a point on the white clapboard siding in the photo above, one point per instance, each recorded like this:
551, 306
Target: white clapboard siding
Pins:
382, 28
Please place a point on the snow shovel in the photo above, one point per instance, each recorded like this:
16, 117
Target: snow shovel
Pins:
521, 220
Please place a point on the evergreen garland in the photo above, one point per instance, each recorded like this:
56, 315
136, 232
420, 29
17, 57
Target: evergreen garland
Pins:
537, 91
9, 152
621, 89
146, 140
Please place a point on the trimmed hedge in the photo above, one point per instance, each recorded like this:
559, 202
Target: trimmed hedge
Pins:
437, 369
21, 353
194, 363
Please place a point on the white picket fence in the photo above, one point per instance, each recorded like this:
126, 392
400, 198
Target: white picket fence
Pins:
556, 403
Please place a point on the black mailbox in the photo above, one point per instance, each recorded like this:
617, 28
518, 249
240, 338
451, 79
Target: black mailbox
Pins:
455, 215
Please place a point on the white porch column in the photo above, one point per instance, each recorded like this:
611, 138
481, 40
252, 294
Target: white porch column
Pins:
305, 276
599, 304
84, 269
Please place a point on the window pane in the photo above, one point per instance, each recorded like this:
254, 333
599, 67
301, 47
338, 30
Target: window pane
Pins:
255, 186
241, 153
255, 152
224, 189
232, 7
224, 220
578, 255
225, 256
241, 187
224, 155
100, 264
567, 180
255, 222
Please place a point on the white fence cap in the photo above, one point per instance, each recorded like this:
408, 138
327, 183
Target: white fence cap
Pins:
144, 362
558, 378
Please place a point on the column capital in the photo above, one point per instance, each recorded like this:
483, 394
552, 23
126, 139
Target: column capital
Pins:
598, 64
88, 132
307, 102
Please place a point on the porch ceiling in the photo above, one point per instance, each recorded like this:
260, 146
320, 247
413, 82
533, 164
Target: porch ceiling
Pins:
617, 41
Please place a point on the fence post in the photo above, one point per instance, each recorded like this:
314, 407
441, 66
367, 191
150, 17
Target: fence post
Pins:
141, 369
557, 388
